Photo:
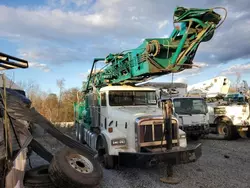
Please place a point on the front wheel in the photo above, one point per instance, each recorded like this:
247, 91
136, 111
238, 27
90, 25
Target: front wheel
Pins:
107, 160
195, 136
226, 130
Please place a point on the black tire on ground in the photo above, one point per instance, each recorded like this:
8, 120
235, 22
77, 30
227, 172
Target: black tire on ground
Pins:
75, 169
38, 177
248, 132
195, 136
107, 161
228, 131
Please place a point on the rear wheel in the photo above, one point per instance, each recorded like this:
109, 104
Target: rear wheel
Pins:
226, 130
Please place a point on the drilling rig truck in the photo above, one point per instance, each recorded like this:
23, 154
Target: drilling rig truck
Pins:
121, 121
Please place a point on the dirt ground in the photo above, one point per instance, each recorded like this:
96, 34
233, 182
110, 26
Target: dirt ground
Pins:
224, 164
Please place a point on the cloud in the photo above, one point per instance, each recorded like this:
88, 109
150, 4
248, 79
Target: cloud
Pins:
65, 31
231, 41
41, 66
84, 75
53, 54
67, 3
162, 24
181, 79
237, 69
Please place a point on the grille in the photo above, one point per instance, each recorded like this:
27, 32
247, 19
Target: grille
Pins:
151, 134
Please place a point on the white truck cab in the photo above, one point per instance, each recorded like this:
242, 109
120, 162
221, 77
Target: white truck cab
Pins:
127, 124
192, 114
189, 109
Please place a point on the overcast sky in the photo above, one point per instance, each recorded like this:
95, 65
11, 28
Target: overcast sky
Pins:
60, 38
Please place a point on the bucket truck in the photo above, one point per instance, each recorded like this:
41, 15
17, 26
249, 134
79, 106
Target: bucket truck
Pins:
229, 114
121, 120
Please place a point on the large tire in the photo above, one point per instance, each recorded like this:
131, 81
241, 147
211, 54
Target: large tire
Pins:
226, 130
75, 169
248, 132
38, 177
195, 136
107, 160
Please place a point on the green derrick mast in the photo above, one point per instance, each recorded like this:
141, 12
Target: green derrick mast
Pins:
159, 56
154, 57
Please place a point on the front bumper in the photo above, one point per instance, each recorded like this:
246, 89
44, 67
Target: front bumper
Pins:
174, 156
199, 129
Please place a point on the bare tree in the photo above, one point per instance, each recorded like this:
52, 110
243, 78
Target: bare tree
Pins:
60, 84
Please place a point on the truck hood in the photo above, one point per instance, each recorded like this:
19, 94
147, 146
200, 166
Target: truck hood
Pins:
138, 111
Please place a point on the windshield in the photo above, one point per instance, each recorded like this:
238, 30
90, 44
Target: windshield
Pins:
190, 106
130, 98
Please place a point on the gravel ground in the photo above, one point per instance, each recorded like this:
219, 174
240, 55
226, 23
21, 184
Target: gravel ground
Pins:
223, 164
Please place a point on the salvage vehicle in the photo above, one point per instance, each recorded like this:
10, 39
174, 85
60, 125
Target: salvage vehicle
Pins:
190, 110
122, 121
229, 113
73, 166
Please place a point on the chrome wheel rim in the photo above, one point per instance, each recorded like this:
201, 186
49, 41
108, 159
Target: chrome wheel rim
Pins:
80, 163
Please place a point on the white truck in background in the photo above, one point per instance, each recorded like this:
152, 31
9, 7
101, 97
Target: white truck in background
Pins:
229, 114
191, 111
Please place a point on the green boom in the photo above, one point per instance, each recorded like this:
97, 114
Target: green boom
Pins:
159, 56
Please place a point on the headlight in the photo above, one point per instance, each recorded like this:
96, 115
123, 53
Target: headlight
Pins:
183, 136
121, 141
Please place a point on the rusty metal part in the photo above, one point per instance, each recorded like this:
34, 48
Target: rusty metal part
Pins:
170, 180
33, 116
11, 62
19, 110
8, 141
80, 163
153, 48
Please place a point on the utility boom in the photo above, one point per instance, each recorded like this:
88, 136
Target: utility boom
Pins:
122, 121
159, 56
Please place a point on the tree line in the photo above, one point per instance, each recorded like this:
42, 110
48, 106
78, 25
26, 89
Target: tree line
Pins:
55, 107
59, 107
